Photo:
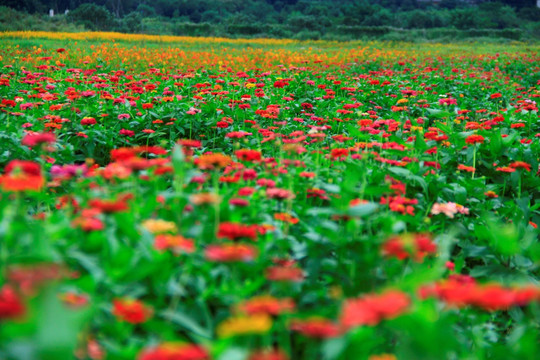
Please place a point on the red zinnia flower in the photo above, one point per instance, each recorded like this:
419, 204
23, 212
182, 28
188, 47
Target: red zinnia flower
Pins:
190, 143
126, 132
88, 223
235, 231
88, 121
474, 139
248, 155
11, 306
520, 165
111, 206
466, 168
131, 311
339, 153
506, 169
316, 327
372, 308
406, 245
230, 252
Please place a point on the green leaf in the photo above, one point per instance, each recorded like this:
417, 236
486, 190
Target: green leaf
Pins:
436, 113
178, 159
186, 322
234, 353
333, 348
363, 209
58, 327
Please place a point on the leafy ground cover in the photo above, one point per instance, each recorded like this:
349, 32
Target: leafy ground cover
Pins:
226, 200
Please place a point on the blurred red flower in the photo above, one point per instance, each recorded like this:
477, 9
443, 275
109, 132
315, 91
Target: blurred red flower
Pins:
131, 311
11, 305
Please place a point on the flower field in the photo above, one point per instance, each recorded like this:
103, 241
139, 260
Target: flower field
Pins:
267, 200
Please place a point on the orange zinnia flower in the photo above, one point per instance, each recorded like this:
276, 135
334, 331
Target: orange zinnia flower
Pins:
212, 161
286, 218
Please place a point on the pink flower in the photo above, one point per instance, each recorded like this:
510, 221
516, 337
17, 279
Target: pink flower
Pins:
26, 106
32, 139
127, 132
449, 209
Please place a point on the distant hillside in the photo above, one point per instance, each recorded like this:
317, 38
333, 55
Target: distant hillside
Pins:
303, 19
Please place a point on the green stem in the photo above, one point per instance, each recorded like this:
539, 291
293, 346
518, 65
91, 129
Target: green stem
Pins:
217, 203
519, 187
474, 162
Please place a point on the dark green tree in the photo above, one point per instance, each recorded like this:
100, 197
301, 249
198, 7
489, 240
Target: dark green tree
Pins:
92, 16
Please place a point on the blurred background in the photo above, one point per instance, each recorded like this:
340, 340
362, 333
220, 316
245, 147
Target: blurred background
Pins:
410, 20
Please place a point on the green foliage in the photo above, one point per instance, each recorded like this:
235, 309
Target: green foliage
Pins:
132, 22
15, 20
92, 17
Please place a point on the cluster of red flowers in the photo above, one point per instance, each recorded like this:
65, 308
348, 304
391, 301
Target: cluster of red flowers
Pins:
373, 308
462, 290
409, 245
368, 310
400, 204
235, 231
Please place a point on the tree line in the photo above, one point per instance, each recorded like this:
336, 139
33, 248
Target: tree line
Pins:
339, 19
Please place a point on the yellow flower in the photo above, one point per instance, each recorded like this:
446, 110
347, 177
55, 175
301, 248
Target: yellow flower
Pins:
402, 101
158, 226
242, 325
